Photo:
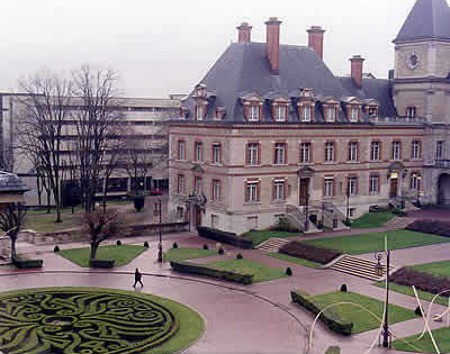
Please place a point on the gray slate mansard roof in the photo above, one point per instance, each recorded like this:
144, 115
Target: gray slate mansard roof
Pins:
428, 19
244, 68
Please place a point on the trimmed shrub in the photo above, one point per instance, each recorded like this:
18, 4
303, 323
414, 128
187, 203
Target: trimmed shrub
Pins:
102, 263
146, 245
283, 224
205, 247
118, 243
429, 226
344, 288
329, 319
22, 263
225, 237
139, 202
333, 350
201, 269
347, 222
175, 245
309, 252
220, 251
422, 281
239, 256
288, 271
56, 249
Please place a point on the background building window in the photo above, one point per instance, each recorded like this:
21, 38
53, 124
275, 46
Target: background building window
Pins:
181, 154
329, 152
217, 154
374, 184
396, 150
253, 155
328, 187
198, 149
439, 149
353, 151
305, 152
278, 192
375, 151
279, 157
252, 191
216, 190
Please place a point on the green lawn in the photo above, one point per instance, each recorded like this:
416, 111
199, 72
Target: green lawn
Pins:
260, 271
181, 254
411, 344
295, 260
259, 237
370, 220
40, 221
121, 254
361, 319
372, 242
407, 290
441, 269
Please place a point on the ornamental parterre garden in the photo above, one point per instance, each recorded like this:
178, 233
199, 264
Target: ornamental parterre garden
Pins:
90, 321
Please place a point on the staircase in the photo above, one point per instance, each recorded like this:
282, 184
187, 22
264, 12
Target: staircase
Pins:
272, 245
297, 217
332, 217
358, 267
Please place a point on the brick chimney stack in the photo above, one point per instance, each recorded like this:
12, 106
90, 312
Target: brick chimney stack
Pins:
315, 40
357, 69
244, 32
273, 44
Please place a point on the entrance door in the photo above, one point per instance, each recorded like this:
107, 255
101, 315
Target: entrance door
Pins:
394, 188
197, 216
304, 188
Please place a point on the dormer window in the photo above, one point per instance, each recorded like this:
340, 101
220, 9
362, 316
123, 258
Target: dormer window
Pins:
373, 112
219, 113
280, 112
199, 112
253, 113
411, 112
354, 114
306, 112
330, 113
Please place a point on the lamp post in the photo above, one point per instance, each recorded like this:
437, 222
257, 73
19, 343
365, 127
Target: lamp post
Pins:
379, 269
160, 248
347, 214
307, 212
419, 182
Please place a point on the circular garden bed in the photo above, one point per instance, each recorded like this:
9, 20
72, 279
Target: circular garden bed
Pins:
93, 321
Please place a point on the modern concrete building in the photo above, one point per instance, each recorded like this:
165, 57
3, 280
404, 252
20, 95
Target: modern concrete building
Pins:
270, 131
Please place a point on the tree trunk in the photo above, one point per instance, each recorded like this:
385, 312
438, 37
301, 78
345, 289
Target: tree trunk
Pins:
94, 248
13, 247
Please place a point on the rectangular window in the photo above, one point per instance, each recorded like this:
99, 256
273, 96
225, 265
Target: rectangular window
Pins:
305, 152
411, 112
200, 112
375, 151
181, 154
396, 150
374, 184
214, 221
180, 212
329, 152
198, 149
415, 181
330, 115
279, 157
352, 186
354, 114
306, 113
181, 184
280, 113
216, 190
217, 154
373, 112
253, 157
328, 187
278, 192
198, 185
415, 150
353, 151
253, 113
252, 191
439, 150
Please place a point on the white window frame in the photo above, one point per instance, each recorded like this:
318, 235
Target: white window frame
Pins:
217, 190
198, 151
279, 154
330, 115
254, 113
181, 184
305, 152
306, 113
354, 114
217, 154
253, 154
198, 185
199, 112
279, 190
375, 149
352, 185
328, 187
251, 194
396, 150
181, 154
439, 152
374, 184
415, 150
411, 112
329, 151
353, 151
415, 181
280, 113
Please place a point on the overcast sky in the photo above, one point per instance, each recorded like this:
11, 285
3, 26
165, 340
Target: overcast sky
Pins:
161, 47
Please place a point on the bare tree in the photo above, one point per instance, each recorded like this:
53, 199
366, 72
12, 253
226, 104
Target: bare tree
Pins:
100, 225
40, 126
95, 122
11, 221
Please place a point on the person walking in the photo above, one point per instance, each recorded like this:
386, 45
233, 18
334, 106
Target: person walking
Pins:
137, 278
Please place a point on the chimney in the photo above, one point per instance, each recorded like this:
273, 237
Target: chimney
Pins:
244, 32
273, 44
315, 40
357, 70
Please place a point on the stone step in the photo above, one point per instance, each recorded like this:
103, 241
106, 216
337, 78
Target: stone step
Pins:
359, 267
272, 244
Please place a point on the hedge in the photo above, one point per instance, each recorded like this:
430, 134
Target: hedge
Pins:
26, 263
330, 319
225, 237
201, 269
102, 263
422, 281
436, 227
309, 252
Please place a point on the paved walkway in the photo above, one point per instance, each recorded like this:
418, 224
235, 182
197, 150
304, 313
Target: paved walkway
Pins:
259, 318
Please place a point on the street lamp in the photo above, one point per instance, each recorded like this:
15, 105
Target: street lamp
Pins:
347, 216
160, 248
307, 212
379, 269
419, 181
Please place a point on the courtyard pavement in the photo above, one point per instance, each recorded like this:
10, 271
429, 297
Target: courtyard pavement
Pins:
259, 318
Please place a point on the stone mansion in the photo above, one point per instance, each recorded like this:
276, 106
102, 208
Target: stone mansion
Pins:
270, 131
